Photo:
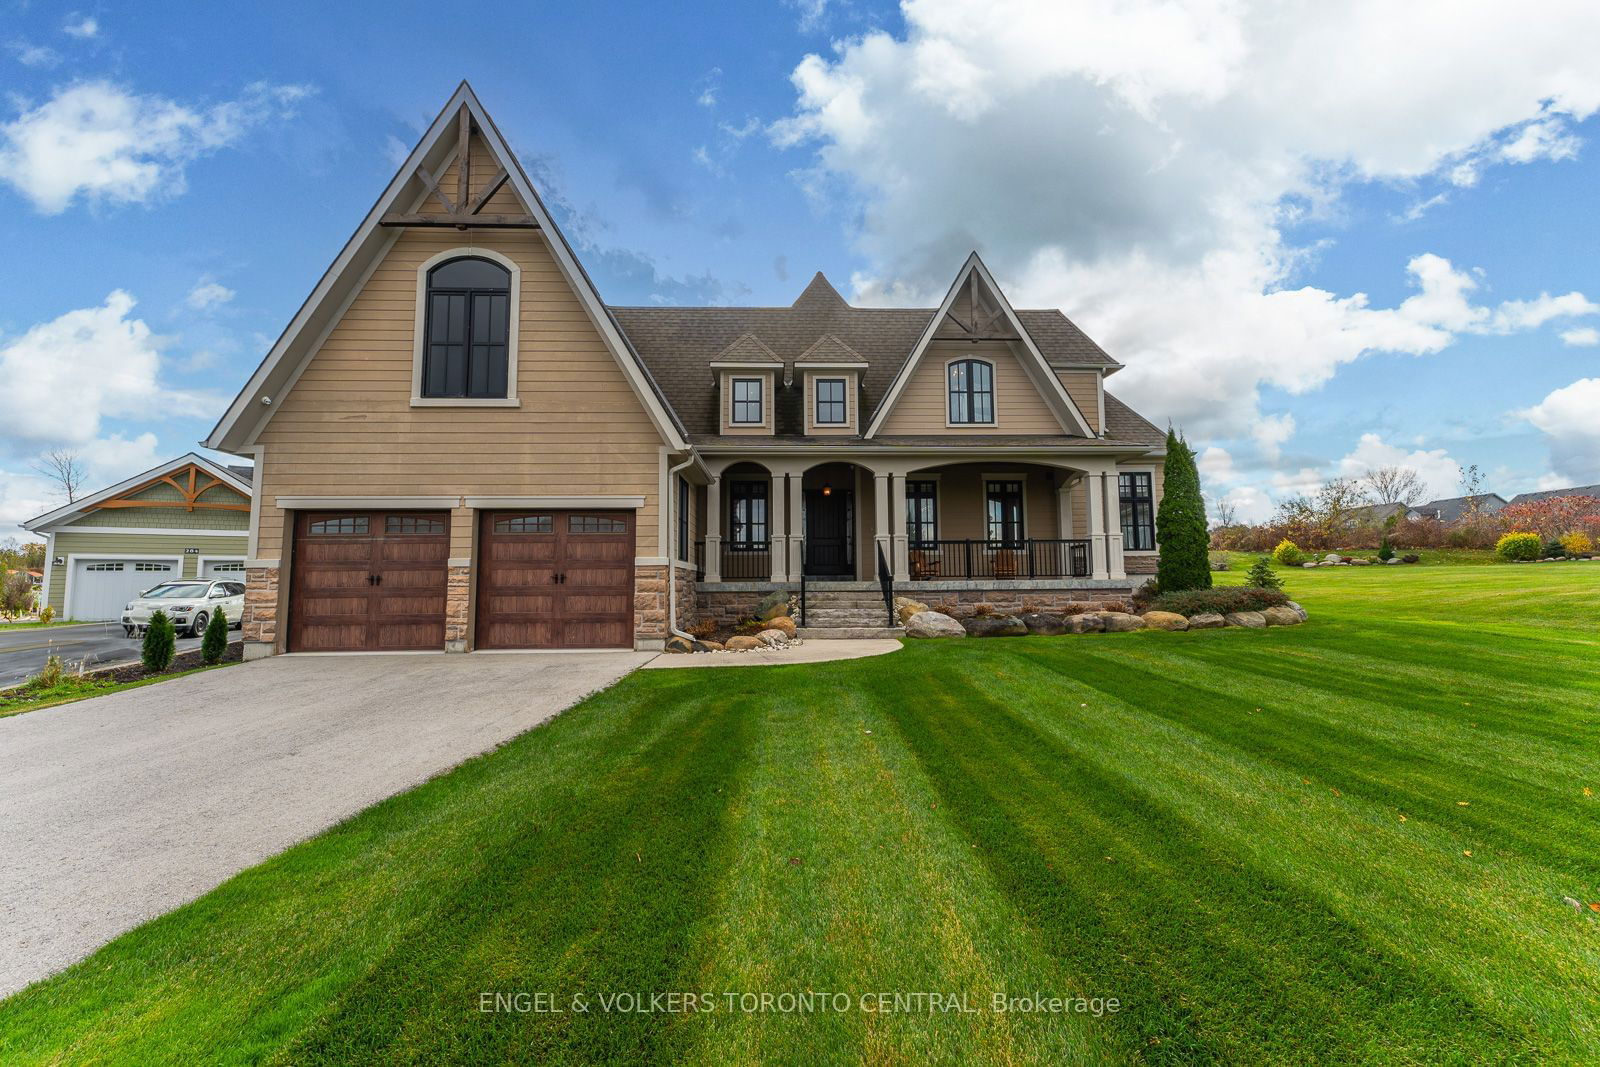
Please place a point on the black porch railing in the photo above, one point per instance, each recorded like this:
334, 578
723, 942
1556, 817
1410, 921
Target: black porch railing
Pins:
699, 561
1033, 557
742, 561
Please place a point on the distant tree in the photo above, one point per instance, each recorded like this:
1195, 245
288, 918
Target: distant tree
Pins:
1262, 576
1472, 489
1226, 511
63, 467
33, 555
1395, 485
1185, 561
16, 593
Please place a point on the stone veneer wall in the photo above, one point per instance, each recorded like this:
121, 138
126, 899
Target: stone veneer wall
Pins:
650, 603
1007, 601
457, 599
259, 624
688, 602
726, 608
1140, 564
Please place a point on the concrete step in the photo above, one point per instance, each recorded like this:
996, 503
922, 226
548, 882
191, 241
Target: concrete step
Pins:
848, 633
836, 617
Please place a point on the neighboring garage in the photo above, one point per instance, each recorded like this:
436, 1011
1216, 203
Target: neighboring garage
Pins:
184, 519
555, 579
369, 581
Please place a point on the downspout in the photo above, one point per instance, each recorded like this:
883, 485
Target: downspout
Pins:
672, 559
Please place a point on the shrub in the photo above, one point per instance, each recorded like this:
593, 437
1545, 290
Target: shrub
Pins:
1386, 549
1519, 546
160, 642
1262, 576
1221, 600
215, 642
50, 677
1181, 522
1288, 553
1552, 549
48, 613
1577, 543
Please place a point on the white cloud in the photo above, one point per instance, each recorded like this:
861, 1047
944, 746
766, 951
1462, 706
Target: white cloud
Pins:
1567, 416
1581, 337
1438, 469
1271, 431
82, 27
104, 144
1249, 504
87, 365
1216, 465
1547, 482
395, 150
206, 295
709, 88
812, 13
1135, 164
34, 55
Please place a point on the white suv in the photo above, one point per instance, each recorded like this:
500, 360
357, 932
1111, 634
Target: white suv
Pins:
189, 604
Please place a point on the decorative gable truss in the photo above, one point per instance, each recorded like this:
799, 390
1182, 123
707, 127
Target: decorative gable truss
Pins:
976, 310
200, 486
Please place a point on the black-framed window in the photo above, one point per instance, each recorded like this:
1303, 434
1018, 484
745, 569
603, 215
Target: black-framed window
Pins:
922, 512
830, 393
971, 391
468, 330
1137, 495
1003, 511
747, 401
683, 518
747, 513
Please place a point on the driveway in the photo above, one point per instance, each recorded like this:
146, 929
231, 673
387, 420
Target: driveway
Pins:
97, 644
117, 809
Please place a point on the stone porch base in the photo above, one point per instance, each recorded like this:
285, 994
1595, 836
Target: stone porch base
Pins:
726, 603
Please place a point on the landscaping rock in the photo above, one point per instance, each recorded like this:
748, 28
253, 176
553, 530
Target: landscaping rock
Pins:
1165, 620
784, 623
708, 646
995, 626
1282, 616
1084, 624
1042, 623
1118, 622
774, 604
1298, 610
1360, 562
1309, 566
779, 639
1207, 620
905, 607
679, 644
933, 624
1253, 620
1333, 557
743, 643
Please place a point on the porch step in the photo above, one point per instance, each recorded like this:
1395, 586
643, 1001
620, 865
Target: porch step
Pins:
831, 616
848, 633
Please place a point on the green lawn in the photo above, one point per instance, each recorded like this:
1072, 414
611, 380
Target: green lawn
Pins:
1346, 840
39, 625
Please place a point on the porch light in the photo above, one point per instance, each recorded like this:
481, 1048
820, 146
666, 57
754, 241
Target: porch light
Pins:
827, 489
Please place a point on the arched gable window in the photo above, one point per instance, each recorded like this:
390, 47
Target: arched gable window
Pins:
468, 327
971, 391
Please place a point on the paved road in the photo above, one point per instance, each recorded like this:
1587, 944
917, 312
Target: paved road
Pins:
119, 808
100, 644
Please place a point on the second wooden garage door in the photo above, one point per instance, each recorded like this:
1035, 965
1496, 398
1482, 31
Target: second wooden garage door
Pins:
555, 579
368, 581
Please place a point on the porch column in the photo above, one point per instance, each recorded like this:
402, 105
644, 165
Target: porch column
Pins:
1114, 566
897, 528
1064, 507
778, 543
797, 527
714, 529
880, 514
1097, 525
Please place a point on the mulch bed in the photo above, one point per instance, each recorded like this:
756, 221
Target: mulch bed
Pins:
183, 661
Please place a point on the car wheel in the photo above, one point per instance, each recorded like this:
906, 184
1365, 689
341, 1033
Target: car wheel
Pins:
198, 627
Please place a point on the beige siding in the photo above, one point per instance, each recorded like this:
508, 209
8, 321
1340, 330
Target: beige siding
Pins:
484, 167
1084, 388
347, 427
767, 400
923, 405
961, 507
72, 541
851, 403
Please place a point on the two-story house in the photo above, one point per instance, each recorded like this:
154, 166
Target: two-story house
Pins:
458, 445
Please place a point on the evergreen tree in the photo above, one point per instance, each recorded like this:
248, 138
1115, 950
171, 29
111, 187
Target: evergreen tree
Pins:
1181, 523
215, 642
1262, 576
160, 643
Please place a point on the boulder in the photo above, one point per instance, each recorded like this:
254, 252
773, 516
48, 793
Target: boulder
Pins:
1165, 620
905, 607
707, 645
779, 639
773, 604
933, 624
1282, 616
742, 643
1298, 610
679, 644
1118, 622
1207, 620
995, 626
784, 623
1308, 566
1084, 624
1333, 557
1253, 620
1360, 563
1039, 622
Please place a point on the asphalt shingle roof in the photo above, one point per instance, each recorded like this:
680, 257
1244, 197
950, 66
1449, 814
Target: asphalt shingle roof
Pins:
1547, 494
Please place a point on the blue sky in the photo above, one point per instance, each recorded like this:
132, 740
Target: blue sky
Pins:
1189, 188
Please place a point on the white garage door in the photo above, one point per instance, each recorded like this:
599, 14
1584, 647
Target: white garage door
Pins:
102, 587
232, 569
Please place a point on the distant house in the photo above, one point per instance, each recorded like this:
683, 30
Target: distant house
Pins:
1450, 509
1547, 494
1377, 514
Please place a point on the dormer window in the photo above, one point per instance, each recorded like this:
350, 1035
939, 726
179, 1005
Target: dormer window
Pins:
747, 402
830, 401
467, 330
971, 392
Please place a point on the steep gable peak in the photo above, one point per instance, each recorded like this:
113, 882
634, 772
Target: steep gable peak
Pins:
819, 295
747, 348
832, 352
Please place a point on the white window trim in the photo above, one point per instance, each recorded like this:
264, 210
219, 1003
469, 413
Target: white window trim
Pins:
818, 379
994, 391
141, 557
419, 333
1154, 505
733, 382
201, 561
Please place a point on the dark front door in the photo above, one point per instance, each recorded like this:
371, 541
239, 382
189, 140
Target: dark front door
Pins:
830, 541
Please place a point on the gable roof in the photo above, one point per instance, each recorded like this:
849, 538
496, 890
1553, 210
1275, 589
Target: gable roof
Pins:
829, 351
747, 348
1451, 508
349, 271
1550, 494
228, 476
968, 278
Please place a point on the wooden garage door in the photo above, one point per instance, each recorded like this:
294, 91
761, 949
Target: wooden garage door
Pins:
555, 579
368, 581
